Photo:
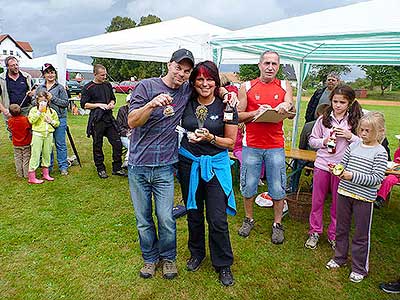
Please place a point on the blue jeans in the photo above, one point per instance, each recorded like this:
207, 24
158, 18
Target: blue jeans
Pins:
275, 167
61, 146
144, 184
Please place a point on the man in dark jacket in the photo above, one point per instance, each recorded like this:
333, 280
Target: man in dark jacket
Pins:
98, 96
321, 96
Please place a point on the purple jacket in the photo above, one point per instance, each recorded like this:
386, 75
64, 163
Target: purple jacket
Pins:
319, 133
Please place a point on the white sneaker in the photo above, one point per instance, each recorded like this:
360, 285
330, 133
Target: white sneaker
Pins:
332, 265
285, 208
264, 200
355, 277
312, 241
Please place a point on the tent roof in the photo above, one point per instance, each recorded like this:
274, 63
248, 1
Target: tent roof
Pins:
154, 42
362, 33
72, 65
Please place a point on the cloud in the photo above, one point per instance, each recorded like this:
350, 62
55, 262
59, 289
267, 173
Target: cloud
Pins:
225, 13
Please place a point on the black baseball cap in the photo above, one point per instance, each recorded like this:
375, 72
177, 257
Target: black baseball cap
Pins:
182, 54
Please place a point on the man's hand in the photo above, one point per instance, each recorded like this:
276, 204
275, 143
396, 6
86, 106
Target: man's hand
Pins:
160, 100
103, 106
231, 98
283, 107
111, 105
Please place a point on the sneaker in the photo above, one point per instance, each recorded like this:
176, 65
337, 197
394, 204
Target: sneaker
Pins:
264, 200
247, 226
277, 236
169, 269
102, 174
64, 172
390, 287
120, 172
312, 241
332, 243
332, 264
193, 264
285, 208
226, 276
148, 270
355, 277
379, 202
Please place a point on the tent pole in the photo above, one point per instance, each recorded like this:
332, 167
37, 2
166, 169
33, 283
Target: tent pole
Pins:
298, 104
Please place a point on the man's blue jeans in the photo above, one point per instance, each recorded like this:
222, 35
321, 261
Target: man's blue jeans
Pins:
61, 145
144, 184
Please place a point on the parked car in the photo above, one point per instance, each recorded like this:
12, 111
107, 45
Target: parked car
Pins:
125, 87
74, 87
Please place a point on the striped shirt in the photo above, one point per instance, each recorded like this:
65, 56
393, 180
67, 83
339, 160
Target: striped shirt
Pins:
368, 165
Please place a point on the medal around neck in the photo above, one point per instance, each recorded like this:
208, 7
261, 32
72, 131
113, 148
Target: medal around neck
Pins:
201, 115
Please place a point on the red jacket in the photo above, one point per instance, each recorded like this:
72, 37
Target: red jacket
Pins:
21, 130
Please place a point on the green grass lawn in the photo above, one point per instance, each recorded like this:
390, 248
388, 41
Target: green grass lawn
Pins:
75, 238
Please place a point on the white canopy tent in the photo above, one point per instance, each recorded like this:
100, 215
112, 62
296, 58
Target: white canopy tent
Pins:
366, 33
71, 64
154, 42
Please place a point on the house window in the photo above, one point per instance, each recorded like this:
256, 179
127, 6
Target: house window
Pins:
11, 52
4, 52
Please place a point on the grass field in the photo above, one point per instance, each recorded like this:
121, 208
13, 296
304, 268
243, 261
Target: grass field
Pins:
75, 238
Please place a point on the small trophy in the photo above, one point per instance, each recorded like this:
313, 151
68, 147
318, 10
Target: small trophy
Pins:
201, 115
169, 109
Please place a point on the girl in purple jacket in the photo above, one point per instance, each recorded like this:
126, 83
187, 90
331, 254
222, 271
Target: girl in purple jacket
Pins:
331, 135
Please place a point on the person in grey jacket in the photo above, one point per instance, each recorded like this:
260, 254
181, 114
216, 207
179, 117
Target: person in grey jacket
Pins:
15, 88
59, 102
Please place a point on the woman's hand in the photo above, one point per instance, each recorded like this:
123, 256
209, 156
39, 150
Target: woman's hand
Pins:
231, 98
47, 119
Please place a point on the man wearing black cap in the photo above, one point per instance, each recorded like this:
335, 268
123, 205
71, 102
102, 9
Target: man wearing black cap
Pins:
156, 108
16, 87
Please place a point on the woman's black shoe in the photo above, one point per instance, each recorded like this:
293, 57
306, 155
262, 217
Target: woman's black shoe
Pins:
193, 264
226, 276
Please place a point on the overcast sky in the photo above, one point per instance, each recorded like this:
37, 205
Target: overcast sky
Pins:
45, 23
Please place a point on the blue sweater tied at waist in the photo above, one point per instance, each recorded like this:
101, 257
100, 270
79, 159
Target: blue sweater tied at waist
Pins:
208, 166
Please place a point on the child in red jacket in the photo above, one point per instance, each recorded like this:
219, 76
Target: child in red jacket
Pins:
21, 138
389, 181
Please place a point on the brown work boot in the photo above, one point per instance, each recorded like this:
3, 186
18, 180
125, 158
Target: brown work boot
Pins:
148, 270
169, 269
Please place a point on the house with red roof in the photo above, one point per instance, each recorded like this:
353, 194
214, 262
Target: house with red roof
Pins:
9, 46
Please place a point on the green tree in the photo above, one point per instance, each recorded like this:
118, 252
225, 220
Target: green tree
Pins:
383, 76
120, 23
323, 71
249, 72
122, 69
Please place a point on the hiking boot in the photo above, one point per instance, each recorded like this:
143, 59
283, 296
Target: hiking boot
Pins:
120, 173
148, 270
169, 269
102, 174
193, 264
332, 264
355, 277
277, 236
226, 276
312, 241
247, 226
390, 287
332, 243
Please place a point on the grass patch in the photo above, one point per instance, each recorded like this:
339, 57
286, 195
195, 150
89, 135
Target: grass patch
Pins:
75, 238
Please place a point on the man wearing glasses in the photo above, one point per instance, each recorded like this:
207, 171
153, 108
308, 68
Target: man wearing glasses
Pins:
321, 96
15, 88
